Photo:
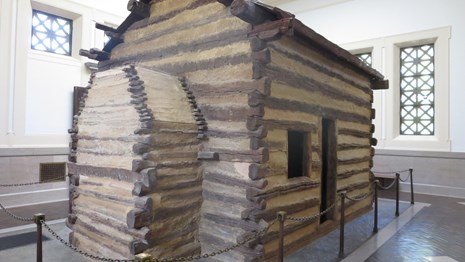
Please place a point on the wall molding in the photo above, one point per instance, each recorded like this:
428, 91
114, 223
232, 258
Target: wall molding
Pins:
31, 198
422, 154
50, 151
433, 190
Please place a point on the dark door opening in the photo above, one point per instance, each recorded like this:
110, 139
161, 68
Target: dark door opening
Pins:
329, 167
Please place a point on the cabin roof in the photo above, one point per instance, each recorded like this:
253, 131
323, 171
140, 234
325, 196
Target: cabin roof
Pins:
268, 20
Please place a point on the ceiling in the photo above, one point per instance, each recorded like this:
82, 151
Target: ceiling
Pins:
118, 7
300, 6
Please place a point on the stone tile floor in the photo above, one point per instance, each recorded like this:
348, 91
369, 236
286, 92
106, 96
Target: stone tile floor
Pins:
435, 233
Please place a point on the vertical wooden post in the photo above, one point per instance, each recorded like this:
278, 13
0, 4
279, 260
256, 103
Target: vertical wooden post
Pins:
38, 218
342, 222
412, 201
281, 218
397, 193
143, 257
375, 222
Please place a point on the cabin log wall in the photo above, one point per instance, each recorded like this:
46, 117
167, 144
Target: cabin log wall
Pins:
137, 183
306, 86
201, 41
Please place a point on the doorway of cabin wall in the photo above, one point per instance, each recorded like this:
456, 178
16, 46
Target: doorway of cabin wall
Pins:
329, 167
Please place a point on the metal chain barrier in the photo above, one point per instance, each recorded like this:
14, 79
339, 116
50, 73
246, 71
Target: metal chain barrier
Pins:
25, 219
77, 250
217, 252
312, 217
360, 197
387, 187
406, 179
33, 183
189, 258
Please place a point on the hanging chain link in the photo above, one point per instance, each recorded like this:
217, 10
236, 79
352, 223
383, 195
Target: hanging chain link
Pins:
387, 187
312, 217
77, 250
15, 216
406, 179
361, 197
217, 252
34, 183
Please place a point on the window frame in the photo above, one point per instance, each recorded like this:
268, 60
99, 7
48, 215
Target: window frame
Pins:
54, 17
386, 54
306, 154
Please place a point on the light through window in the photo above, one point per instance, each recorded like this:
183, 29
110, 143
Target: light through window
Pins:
365, 57
417, 90
51, 33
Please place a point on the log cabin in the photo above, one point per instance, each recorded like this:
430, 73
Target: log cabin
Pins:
204, 119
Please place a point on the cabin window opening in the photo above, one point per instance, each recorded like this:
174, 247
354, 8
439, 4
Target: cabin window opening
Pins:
329, 168
51, 33
297, 155
417, 90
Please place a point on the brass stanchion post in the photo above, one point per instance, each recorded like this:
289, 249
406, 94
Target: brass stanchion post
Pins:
281, 218
397, 193
412, 201
375, 222
38, 218
341, 229
143, 257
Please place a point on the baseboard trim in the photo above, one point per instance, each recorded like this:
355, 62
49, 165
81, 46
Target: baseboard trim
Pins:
435, 190
34, 197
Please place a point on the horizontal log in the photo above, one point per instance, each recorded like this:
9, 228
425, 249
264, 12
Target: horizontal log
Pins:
296, 185
138, 246
74, 180
318, 67
139, 165
252, 156
114, 173
290, 125
246, 225
380, 84
272, 30
208, 156
269, 214
351, 173
342, 147
256, 98
251, 13
221, 197
288, 105
353, 160
225, 2
220, 39
262, 56
257, 44
163, 213
355, 133
354, 186
256, 172
138, 218
217, 177
313, 85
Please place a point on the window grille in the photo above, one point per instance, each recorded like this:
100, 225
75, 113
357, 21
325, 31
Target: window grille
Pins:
51, 33
417, 90
365, 57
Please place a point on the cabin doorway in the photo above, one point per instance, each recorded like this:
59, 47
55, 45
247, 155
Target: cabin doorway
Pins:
329, 167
